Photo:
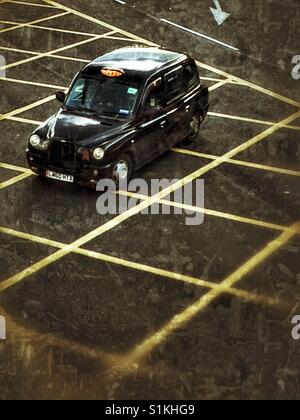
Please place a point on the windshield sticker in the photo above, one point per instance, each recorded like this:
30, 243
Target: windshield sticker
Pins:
132, 91
124, 111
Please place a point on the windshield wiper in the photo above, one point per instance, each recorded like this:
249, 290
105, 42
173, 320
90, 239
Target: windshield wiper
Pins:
78, 108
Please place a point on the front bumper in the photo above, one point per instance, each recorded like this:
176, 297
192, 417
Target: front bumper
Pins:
85, 174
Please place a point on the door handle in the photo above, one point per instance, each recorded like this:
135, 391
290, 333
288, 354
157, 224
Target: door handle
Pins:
187, 108
163, 124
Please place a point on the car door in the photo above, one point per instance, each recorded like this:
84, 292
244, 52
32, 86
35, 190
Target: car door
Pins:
191, 82
175, 106
148, 141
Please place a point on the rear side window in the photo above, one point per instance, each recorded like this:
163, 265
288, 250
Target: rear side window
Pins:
174, 84
190, 75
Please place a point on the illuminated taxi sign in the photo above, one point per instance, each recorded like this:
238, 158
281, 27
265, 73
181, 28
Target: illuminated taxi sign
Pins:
112, 72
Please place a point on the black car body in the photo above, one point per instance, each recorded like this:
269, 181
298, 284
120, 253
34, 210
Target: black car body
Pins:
122, 110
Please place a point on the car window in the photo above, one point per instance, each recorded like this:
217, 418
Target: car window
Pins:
190, 75
154, 96
103, 96
174, 85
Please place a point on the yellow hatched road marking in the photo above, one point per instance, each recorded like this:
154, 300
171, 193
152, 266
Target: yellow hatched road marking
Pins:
178, 321
137, 209
65, 31
27, 107
14, 168
57, 50
238, 162
14, 180
137, 266
251, 120
24, 120
200, 64
27, 82
208, 212
22, 24
27, 3
218, 85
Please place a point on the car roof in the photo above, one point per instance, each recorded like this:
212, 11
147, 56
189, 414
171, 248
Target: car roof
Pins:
139, 61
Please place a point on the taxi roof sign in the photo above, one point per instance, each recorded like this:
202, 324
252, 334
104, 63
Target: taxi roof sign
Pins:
112, 72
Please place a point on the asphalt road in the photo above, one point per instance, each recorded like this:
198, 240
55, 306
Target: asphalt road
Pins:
136, 312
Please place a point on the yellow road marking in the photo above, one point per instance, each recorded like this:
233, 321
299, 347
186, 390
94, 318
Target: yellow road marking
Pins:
200, 64
99, 22
65, 31
218, 85
138, 208
22, 24
27, 82
26, 3
57, 50
238, 162
136, 266
27, 107
209, 212
14, 180
61, 57
15, 168
251, 120
240, 81
141, 350
24, 120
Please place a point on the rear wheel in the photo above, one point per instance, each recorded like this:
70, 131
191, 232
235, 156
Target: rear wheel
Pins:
122, 169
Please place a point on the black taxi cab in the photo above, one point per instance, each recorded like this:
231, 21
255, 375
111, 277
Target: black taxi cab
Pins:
122, 110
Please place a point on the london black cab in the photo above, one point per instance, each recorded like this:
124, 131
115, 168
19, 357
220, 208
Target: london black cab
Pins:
122, 110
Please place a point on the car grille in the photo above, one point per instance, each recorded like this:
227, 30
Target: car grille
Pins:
62, 155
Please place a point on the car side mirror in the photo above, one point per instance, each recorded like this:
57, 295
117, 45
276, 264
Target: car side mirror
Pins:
60, 96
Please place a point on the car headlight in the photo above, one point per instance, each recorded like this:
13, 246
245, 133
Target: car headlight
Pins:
35, 140
98, 153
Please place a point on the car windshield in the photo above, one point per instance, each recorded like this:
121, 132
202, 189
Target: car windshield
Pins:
103, 96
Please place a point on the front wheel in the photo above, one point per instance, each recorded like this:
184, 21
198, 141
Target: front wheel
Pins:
194, 129
122, 169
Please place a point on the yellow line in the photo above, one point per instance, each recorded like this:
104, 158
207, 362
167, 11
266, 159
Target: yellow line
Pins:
218, 85
26, 108
27, 82
21, 25
99, 22
136, 266
61, 57
14, 168
251, 120
46, 54
209, 212
249, 84
65, 31
238, 162
200, 64
137, 209
26, 3
187, 315
14, 180
24, 120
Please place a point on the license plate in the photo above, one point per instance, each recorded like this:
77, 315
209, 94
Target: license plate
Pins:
59, 177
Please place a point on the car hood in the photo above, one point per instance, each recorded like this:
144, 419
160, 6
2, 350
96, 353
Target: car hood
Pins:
81, 128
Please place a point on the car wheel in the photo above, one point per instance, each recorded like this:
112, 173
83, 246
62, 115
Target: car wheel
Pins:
194, 129
122, 169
